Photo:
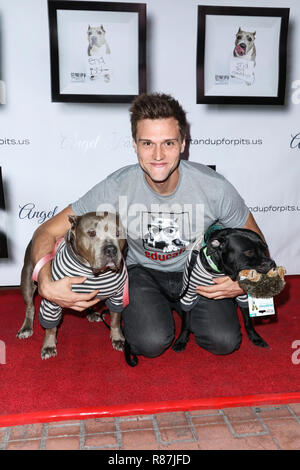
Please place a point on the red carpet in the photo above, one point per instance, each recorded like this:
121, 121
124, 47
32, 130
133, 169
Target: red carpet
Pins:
89, 378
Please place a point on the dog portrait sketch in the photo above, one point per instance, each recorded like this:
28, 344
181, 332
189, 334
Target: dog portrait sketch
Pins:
98, 51
245, 50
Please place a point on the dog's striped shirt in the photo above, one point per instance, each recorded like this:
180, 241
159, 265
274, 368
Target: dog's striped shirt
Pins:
65, 263
200, 277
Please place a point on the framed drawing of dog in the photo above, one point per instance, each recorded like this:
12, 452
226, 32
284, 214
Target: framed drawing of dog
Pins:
241, 55
97, 51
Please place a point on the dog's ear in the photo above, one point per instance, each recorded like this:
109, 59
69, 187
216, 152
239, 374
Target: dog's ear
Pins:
73, 219
215, 243
239, 31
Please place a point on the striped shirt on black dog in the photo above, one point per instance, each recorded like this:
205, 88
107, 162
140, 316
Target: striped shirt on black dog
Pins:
200, 277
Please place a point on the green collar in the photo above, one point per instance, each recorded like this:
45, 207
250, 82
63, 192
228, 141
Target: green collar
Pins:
210, 261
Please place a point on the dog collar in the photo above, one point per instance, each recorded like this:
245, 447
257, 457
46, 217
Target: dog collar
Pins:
210, 261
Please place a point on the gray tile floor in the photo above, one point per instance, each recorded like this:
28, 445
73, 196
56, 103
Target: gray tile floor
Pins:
246, 428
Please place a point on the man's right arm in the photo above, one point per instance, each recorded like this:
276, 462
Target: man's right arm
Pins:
59, 292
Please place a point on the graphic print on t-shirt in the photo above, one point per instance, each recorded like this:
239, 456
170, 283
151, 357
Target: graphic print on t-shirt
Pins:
166, 232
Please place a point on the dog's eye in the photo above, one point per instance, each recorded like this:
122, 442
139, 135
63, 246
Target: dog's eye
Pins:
249, 38
169, 230
92, 233
155, 229
249, 253
239, 37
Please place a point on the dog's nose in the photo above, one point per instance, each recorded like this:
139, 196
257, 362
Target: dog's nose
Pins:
96, 272
110, 250
266, 265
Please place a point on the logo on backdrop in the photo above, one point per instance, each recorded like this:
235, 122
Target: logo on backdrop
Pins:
240, 141
31, 212
5, 141
296, 93
107, 142
274, 209
295, 141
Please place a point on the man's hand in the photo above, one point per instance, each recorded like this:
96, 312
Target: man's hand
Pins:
223, 288
60, 292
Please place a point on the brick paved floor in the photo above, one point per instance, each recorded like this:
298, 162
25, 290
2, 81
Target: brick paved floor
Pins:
247, 428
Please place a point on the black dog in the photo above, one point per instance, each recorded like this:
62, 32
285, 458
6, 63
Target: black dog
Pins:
227, 251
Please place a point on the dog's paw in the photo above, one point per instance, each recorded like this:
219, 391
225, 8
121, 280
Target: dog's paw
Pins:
258, 341
95, 316
49, 351
25, 333
179, 346
118, 345
261, 343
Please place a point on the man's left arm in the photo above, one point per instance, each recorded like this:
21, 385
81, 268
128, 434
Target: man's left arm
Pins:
252, 225
224, 287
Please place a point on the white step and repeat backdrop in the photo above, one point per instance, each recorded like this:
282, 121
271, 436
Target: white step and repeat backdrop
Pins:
51, 153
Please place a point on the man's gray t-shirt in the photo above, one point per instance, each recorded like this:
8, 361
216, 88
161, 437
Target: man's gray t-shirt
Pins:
161, 229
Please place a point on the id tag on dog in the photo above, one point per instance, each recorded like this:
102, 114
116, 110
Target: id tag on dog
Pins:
260, 307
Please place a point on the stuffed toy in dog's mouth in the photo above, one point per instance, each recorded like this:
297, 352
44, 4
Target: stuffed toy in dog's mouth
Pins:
239, 50
262, 285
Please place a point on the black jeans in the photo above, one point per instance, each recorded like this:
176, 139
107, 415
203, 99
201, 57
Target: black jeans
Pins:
149, 323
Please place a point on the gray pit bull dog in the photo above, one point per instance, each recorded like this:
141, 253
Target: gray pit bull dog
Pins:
92, 248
